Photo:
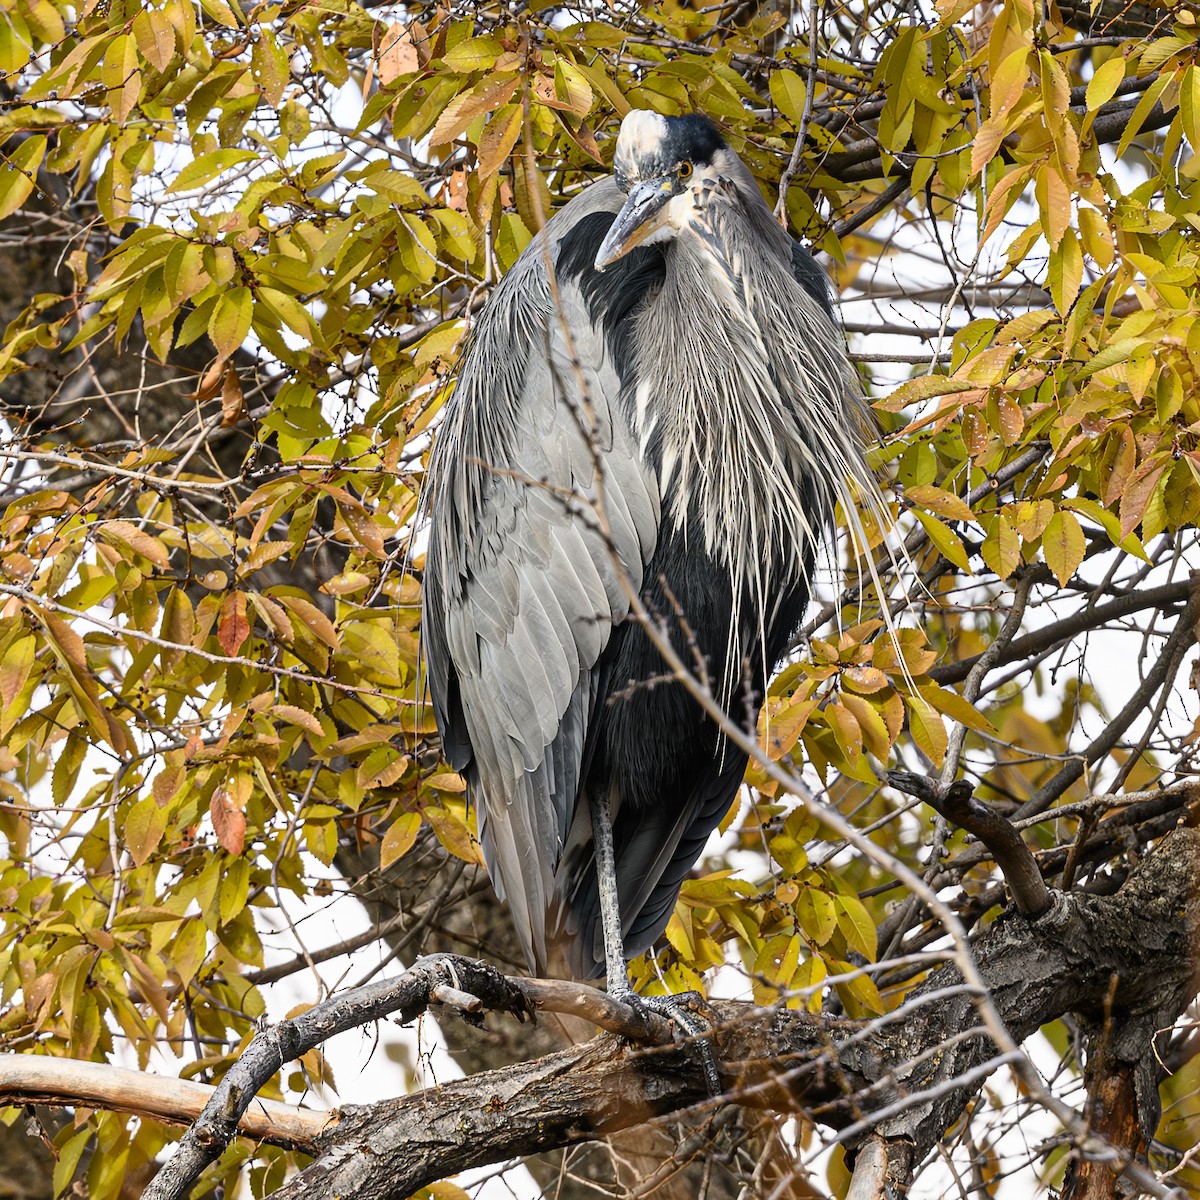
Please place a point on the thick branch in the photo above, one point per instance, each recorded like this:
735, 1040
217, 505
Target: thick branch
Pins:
915, 1069
447, 979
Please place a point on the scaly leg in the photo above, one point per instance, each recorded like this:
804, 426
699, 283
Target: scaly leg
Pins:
616, 970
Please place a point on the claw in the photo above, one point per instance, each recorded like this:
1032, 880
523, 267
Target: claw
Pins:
685, 1011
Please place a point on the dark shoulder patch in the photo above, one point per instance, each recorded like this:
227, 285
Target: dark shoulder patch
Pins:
811, 278
611, 295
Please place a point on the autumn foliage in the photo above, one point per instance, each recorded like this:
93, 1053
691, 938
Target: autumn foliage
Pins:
244, 244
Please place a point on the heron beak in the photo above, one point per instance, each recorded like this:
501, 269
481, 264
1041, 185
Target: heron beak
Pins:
643, 214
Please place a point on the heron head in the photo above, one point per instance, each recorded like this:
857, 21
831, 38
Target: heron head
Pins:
660, 163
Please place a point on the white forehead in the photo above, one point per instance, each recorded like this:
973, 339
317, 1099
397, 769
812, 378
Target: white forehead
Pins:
642, 134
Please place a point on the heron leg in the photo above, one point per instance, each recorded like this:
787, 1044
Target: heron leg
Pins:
610, 905
675, 1008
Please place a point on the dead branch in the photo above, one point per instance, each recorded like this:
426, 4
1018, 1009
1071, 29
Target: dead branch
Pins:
39, 1079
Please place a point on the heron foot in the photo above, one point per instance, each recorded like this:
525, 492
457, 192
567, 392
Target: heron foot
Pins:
686, 1011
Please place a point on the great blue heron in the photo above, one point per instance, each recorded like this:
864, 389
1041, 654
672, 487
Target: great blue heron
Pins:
655, 402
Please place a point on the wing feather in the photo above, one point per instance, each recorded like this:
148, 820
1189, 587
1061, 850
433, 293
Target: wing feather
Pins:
521, 588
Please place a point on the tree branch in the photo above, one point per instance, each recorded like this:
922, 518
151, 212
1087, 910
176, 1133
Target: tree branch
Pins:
956, 802
443, 978
39, 1079
914, 1069
1182, 638
1088, 618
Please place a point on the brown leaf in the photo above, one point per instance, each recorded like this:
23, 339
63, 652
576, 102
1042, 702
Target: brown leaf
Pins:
233, 403
1124, 460
210, 381
455, 191
397, 54
229, 822
1136, 497
232, 626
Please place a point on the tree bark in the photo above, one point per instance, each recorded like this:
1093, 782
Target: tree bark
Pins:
905, 1077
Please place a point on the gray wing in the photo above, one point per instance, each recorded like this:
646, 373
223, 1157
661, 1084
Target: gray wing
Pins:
809, 275
522, 586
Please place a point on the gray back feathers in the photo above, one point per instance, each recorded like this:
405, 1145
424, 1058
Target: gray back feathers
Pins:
722, 414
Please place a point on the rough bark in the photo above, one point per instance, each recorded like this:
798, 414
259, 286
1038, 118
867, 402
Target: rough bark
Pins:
905, 1077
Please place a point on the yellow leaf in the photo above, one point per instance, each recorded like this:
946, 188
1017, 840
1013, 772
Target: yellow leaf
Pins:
1008, 83
987, 141
498, 139
399, 839
937, 500
18, 172
789, 94
454, 835
143, 829
815, 911
475, 54
946, 541
1001, 549
1104, 83
571, 89
956, 707
1056, 205
121, 76
297, 716
927, 729
155, 36
230, 320
856, 925
875, 734
864, 679
447, 781
1063, 545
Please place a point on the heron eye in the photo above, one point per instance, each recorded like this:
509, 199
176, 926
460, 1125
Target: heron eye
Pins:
685, 170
